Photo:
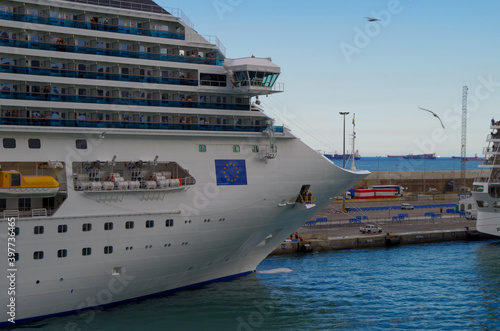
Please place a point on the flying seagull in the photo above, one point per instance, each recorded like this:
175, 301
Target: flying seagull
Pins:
370, 19
434, 114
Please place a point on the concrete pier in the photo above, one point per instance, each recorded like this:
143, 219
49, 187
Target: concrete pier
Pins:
336, 230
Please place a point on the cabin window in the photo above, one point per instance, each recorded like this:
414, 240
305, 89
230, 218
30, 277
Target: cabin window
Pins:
9, 143
236, 148
16, 257
150, 224
129, 225
81, 144
15, 179
108, 226
38, 230
169, 222
255, 149
24, 203
62, 228
62, 253
212, 79
3, 203
38, 255
86, 251
108, 249
86, 227
32, 11
5, 61
202, 148
48, 202
34, 143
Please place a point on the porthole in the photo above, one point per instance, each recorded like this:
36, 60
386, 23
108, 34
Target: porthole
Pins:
86, 251
81, 144
9, 143
34, 143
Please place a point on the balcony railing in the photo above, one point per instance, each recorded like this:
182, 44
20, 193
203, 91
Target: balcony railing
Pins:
89, 25
49, 122
96, 75
119, 101
107, 52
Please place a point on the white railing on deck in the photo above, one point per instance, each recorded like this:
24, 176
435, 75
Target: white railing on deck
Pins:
139, 6
39, 212
10, 213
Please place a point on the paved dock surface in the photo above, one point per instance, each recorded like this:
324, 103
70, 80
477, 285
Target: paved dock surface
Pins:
333, 229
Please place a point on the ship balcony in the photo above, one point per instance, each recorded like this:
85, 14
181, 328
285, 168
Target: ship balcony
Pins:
125, 99
60, 45
491, 150
493, 137
106, 25
483, 180
124, 123
495, 125
491, 162
57, 72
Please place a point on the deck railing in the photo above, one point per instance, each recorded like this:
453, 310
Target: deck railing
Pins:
119, 101
96, 75
108, 52
89, 25
48, 122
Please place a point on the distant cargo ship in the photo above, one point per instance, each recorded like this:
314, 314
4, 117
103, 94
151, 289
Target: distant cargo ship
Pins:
421, 156
471, 158
336, 156
413, 156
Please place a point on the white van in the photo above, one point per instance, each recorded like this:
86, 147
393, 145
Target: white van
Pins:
407, 206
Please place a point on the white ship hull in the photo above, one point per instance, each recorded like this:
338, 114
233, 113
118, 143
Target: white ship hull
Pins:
486, 191
488, 218
219, 231
170, 173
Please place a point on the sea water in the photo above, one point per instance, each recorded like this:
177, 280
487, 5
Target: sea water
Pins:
444, 286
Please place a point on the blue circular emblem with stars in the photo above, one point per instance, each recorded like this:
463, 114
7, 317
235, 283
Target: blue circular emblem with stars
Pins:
231, 172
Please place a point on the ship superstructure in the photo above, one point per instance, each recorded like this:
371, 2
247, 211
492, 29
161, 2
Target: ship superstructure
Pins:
133, 160
486, 189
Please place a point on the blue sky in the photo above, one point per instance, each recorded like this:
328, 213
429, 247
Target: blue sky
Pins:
421, 53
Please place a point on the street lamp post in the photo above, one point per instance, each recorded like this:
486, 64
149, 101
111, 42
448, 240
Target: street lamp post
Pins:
343, 138
343, 155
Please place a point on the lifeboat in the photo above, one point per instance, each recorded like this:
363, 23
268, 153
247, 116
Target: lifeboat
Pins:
15, 185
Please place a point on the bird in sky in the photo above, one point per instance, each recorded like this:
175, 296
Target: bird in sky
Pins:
370, 19
434, 114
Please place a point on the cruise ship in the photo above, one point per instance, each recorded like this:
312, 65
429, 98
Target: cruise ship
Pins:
486, 190
136, 158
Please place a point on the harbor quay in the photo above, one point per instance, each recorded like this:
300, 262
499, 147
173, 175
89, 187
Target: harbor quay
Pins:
333, 229
434, 218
